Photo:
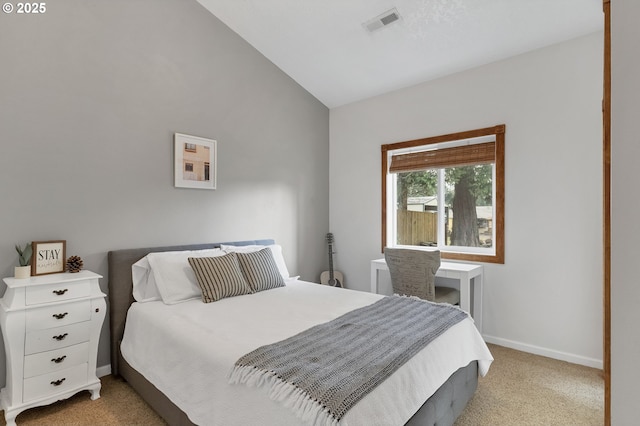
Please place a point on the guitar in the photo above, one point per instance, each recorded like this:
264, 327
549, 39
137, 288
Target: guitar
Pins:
331, 277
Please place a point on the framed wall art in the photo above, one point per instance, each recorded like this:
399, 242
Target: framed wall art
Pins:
49, 257
195, 163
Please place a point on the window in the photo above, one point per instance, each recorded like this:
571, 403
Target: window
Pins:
188, 167
446, 192
190, 147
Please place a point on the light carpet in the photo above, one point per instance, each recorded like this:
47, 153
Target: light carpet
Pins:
526, 389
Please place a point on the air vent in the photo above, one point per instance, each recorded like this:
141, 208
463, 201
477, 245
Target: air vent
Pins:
387, 18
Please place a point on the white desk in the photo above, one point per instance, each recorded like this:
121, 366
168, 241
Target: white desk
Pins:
463, 272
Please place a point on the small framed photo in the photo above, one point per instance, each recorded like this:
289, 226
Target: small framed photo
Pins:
195, 162
49, 257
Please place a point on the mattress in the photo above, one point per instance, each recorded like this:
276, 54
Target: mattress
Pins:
188, 350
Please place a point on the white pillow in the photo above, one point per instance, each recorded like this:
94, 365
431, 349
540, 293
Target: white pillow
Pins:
276, 250
168, 276
144, 283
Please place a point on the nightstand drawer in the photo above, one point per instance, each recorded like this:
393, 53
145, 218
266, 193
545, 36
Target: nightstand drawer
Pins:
59, 315
52, 383
56, 338
60, 359
57, 292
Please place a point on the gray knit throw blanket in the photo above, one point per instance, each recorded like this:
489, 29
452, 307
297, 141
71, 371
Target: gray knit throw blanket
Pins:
324, 371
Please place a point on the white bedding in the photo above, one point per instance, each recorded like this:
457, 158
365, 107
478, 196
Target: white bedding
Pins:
187, 351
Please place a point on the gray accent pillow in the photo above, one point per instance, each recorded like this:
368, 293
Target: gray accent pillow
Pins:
219, 277
260, 270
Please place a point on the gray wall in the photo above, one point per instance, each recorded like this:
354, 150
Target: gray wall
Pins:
625, 205
91, 93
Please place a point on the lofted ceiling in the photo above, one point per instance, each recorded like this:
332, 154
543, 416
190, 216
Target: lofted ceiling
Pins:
325, 47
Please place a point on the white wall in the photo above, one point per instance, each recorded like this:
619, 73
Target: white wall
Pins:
547, 297
91, 94
625, 205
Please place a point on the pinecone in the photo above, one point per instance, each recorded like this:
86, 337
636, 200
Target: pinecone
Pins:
74, 264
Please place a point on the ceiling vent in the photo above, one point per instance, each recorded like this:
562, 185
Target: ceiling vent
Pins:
387, 18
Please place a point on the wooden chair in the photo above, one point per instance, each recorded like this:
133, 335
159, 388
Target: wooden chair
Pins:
413, 273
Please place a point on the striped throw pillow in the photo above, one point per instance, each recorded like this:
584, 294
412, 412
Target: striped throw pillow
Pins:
219, 277
260, 270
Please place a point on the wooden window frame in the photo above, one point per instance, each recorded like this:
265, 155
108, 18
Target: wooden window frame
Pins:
499, 133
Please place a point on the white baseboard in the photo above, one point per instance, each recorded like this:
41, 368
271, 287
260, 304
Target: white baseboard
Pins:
549, 353
105, 370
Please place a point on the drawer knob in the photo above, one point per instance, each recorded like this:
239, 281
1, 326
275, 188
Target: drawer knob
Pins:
60, 316
58, 360
60, 336
60, 292
58, 382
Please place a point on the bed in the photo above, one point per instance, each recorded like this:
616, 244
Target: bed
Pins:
180, 402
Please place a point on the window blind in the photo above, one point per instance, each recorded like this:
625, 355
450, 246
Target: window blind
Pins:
467, 155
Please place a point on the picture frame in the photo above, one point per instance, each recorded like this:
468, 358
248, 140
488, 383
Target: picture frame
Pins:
195, 162
48, 257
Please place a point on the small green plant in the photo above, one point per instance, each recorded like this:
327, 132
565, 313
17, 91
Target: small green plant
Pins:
24, 255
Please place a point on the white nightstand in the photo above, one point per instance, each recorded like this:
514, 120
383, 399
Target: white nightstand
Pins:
51, 327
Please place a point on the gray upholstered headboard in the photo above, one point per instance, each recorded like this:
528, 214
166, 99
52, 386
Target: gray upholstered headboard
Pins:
121, 285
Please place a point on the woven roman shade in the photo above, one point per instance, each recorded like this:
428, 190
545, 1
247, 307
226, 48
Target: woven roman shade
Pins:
467, 155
